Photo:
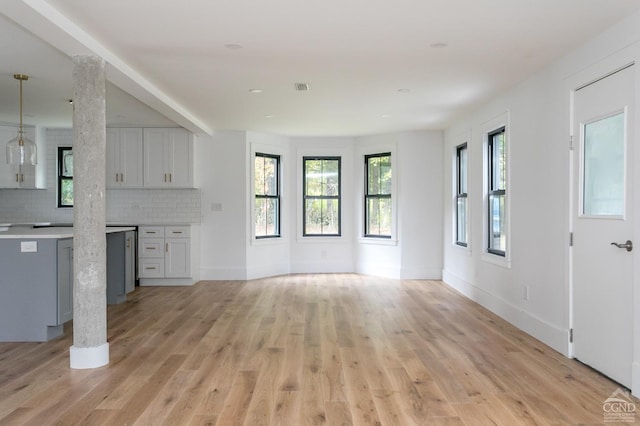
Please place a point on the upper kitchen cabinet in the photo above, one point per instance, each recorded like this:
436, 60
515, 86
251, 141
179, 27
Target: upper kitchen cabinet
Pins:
168, 158
124, 158
12, 176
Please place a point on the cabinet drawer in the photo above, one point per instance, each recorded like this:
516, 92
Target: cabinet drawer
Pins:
177, 231
151, 231
151, 268
151, 247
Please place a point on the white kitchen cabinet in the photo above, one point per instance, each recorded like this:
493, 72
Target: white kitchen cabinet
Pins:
164, 255
168, 158
124, 158
12, 176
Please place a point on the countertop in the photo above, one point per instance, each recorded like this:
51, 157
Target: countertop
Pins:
20, 232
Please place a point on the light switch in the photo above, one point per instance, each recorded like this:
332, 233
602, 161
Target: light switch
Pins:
28, 246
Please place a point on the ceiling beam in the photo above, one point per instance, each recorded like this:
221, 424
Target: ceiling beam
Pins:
55, 29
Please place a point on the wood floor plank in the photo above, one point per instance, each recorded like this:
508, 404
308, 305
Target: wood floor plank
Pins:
317, 349
239, 399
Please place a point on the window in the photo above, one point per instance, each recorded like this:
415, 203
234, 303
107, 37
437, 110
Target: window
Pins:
267, 193
496, 191
462, 233
321, 196
377, 197
65, 176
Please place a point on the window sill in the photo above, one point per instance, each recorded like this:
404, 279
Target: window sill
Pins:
272, 241
378, 241
497, 260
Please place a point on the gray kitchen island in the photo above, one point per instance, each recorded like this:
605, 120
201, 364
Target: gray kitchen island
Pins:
36, 278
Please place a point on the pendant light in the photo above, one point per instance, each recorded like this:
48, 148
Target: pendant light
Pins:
21, 150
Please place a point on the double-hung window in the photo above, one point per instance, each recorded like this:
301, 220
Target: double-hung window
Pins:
267, 195
462, 233
496, 191
377, 197
321, 196
65, 176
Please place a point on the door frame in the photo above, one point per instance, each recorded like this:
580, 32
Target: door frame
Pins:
589, 75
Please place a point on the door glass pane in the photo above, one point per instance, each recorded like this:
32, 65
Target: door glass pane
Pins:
603, 180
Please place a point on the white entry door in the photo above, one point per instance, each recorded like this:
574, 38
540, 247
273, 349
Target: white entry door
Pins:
602, 218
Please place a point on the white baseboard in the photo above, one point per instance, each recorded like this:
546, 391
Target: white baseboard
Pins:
222, 274
265, 271
547, 333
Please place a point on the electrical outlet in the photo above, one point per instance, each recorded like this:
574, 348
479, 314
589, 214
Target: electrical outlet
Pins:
28, 246
525, 292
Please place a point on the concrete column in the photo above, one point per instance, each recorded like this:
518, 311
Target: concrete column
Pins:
90, 348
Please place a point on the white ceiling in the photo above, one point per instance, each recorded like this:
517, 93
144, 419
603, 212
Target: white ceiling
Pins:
373, 66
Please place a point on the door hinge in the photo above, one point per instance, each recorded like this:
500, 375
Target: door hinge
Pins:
570, 239
571, 143
571, 335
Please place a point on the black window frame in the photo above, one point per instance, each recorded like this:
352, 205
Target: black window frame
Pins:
462, 194
61, 177
493, 189
306, 197
368, 195
276, 197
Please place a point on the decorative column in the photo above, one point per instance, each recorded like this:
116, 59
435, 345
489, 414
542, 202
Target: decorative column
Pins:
90, 347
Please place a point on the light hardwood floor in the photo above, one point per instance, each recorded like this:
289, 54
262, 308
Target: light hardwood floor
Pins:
335, 349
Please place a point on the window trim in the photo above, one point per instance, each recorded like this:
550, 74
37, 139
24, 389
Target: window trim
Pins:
60, 178
368, 196
496, 192
459, 195
276, 197
305, 197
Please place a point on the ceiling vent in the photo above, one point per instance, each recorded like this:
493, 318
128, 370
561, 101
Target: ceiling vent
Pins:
302, 87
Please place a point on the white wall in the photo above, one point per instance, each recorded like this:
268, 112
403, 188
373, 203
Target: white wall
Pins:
270, 256
538, 191
221, 166
415, 247
323, 254
230, 250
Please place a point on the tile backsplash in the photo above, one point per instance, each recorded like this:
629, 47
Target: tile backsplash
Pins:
124, 206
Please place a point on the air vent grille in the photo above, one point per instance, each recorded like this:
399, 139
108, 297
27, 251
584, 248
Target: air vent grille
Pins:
302, 87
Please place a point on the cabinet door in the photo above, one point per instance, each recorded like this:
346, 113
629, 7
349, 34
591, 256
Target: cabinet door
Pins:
155, 146
131, 158
124, 158
65, 281
112, 174
180, 159
177, 258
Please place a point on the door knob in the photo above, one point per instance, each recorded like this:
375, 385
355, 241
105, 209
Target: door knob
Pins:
628, 245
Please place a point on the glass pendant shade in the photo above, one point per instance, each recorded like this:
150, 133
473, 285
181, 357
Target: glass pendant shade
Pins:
21, 150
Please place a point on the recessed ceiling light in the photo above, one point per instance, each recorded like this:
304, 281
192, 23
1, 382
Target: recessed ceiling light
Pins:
233, 46
268, 116
385, 116
255, 90
438, 45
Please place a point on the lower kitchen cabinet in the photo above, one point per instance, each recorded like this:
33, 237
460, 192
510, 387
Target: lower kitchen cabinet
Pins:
164, 255
121, 277
65, 280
